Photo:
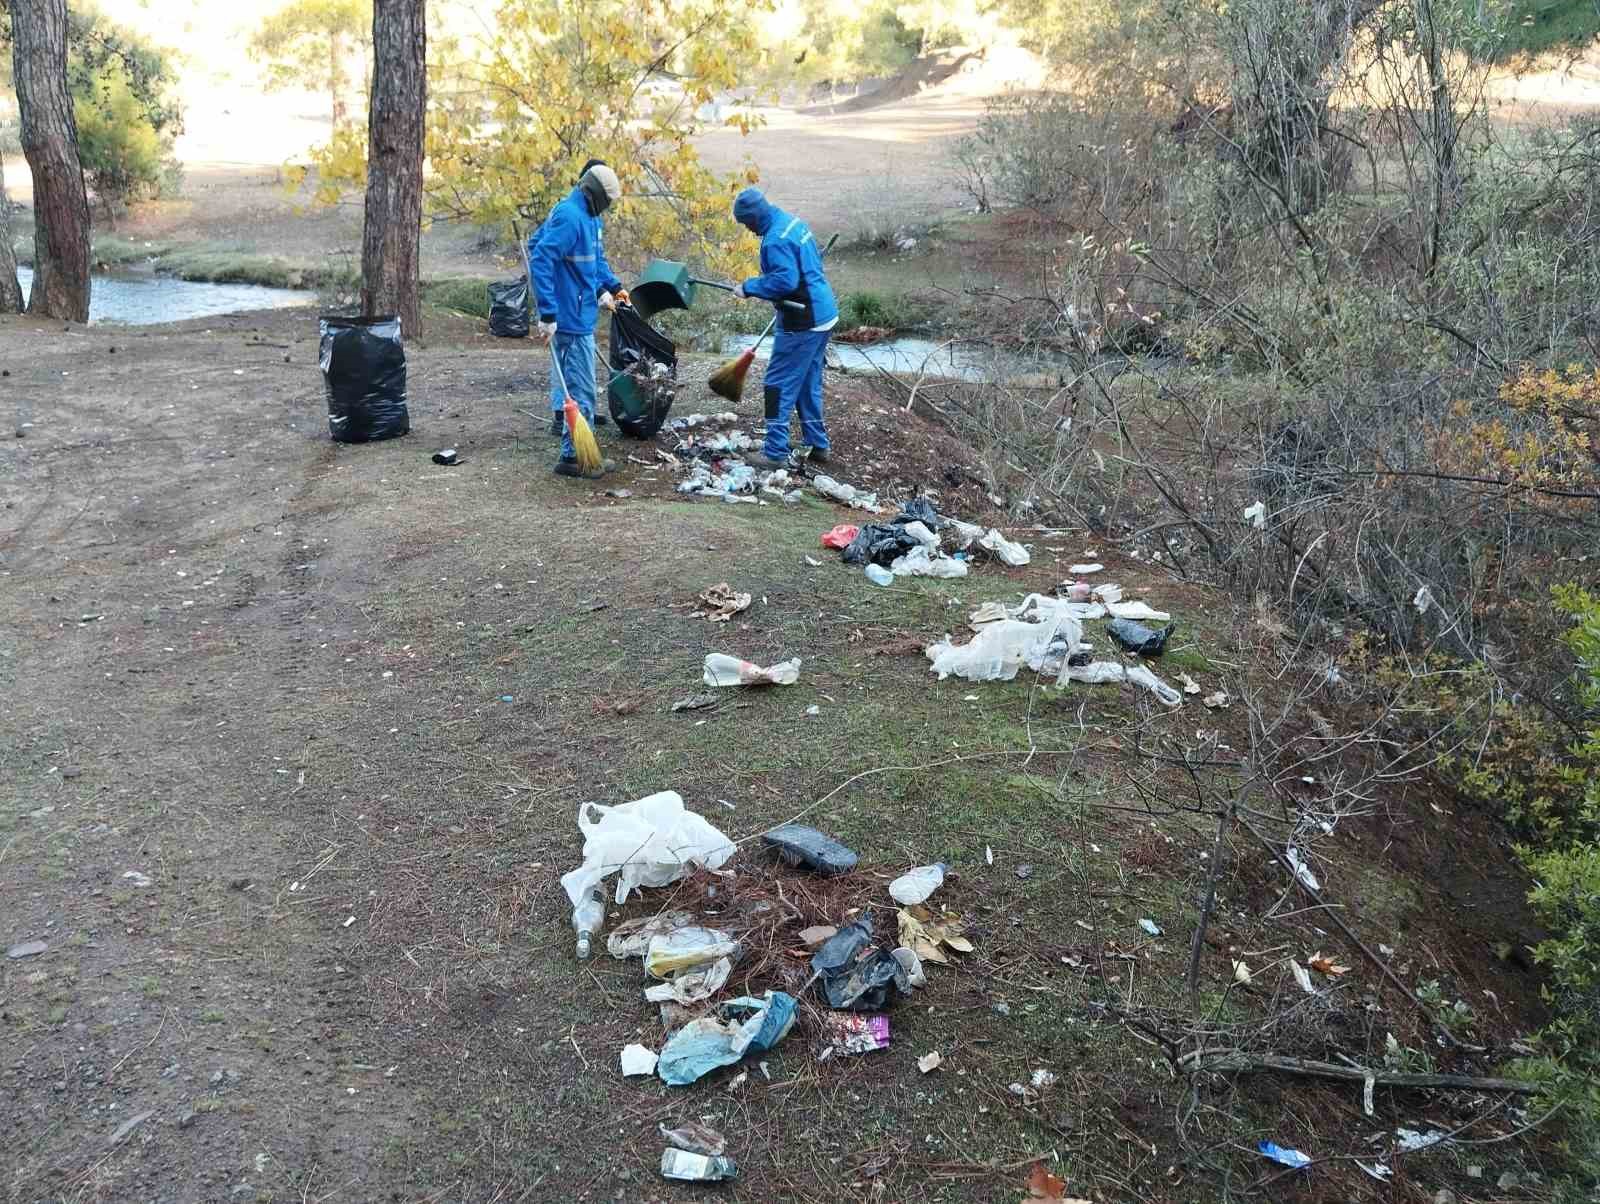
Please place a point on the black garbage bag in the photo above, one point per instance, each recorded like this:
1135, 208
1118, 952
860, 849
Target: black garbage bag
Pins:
879, 543
856, 975
1136, 637
797, 844
920, 510
364, 369
508, 308
644, 374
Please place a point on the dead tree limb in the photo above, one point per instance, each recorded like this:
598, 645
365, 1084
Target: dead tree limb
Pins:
1234, 1061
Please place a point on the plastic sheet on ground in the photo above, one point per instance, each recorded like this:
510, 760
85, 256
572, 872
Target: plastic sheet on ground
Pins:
692, 986
724, 670
742, 1026
1001, 548
922, 562
1101, 672
848, 494
649, 842
686, 948
1000, 649
632, 937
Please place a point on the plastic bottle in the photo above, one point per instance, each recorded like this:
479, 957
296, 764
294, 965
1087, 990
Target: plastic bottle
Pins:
879, 575
586, 920
913, 886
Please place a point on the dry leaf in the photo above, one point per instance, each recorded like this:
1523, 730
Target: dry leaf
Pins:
1042, 1185
1323, 964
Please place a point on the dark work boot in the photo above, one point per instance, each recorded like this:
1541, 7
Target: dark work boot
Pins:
558, 425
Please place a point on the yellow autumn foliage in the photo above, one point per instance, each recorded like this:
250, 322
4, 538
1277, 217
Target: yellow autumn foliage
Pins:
555, 82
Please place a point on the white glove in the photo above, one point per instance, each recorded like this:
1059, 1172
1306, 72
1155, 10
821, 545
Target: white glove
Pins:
547, 331
608, 303
738, 291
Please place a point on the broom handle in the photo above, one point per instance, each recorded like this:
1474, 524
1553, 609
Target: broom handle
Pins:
728, 288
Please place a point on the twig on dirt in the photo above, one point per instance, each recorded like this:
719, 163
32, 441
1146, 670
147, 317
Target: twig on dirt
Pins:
571, 1037
1207, 904
145, 1046
979, 1170
1235, 1061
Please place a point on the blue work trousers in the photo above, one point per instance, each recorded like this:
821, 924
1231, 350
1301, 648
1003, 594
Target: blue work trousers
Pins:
794, 381
576, 353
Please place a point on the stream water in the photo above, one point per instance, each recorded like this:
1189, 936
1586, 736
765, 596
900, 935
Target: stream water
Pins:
145, 299
914, 357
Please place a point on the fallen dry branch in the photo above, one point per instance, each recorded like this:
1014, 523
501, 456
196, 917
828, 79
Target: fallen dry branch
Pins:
1234, 1061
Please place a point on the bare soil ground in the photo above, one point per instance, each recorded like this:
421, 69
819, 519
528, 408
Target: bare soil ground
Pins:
339, 707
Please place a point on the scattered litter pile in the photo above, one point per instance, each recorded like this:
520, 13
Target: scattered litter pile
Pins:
1046, 634
912, 543
744, 952
709, 457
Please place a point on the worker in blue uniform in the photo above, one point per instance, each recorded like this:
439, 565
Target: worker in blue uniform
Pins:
791, 271
573, 282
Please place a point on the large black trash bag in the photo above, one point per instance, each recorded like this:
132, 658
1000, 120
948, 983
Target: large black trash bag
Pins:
879, 543
1136, 637
508, 309
644, 374
364, 368
855, 974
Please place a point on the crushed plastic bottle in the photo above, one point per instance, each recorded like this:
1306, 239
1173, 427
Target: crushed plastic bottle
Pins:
879, 575
696, 1168
587, 917
914, 886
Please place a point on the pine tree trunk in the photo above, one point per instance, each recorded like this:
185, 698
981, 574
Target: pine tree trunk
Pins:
393, 219
10, 289
50, 142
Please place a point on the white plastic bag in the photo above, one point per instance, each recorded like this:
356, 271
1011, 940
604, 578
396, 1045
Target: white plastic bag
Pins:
965, 534
1002, 548
995, 653
724, 670
848, 494
919, 532
1101, 672
921, 562
651, 841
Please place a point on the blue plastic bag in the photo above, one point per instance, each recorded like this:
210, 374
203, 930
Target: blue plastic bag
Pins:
703, 1045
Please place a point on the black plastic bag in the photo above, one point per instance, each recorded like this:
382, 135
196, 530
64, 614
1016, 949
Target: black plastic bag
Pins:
1136, 637
800, 845
855, 976
920, 510
644, 374
508, 308
879, 543
364, 368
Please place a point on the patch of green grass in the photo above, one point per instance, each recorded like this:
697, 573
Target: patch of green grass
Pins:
212, 1016
463, 294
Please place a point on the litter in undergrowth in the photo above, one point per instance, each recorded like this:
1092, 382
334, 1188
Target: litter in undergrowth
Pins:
1137, 638
1003, 549
920, 562
741, 1026
800, 845
1150, 926
649, 842
1301, 870
879, 575
912, 965
848, 1034
848, 494
1410, 1140
841, 536
929, 1062
720, 603
696, 702
914, 886
855, 973
637, 1060
683, 948
632, 938
695, 1138
696, 1168
723, 670
1217, 700
1100, 672
1291, 1158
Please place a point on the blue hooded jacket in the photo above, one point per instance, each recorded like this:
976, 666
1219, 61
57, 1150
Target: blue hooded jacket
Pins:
791, 265
568, 262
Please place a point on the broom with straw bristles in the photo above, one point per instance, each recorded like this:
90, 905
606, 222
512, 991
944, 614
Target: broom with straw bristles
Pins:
727, 381
584, 446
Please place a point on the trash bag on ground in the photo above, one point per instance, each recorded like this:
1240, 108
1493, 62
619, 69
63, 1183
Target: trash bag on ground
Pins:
996, 652
508, 308
651, 841
644, 374
1136, 637
364, 370
880, 543
855, 974
920, 510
